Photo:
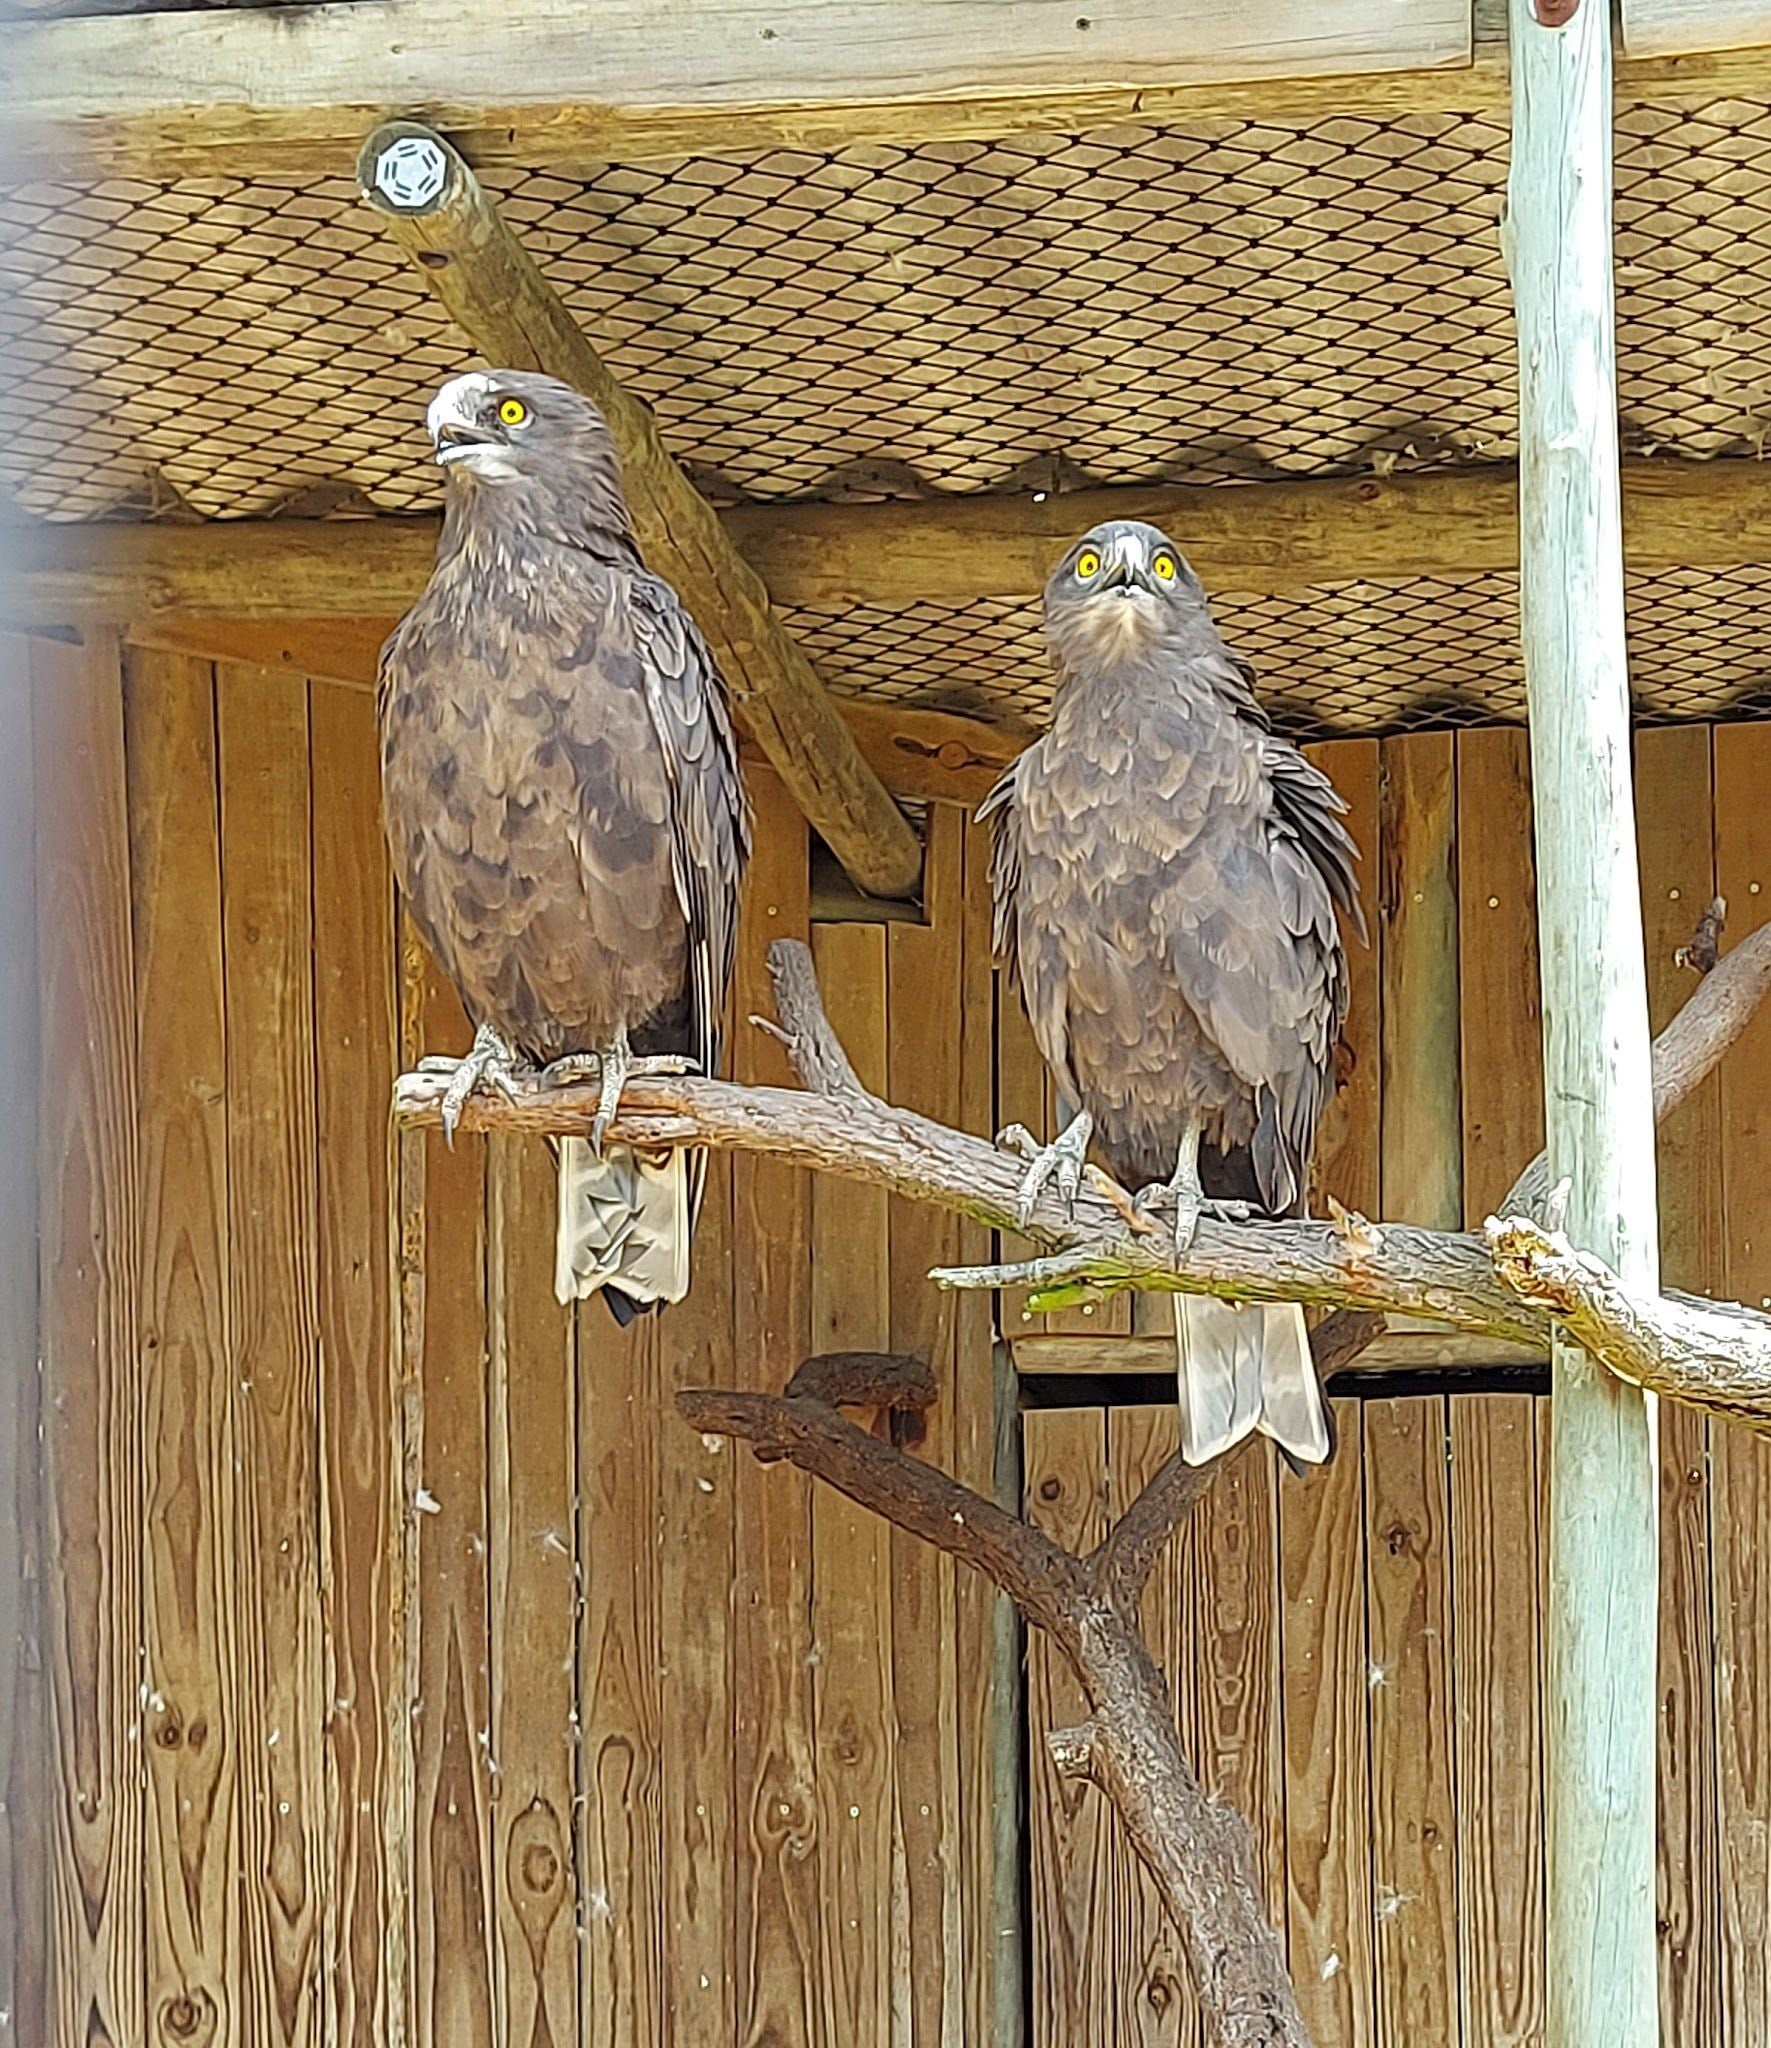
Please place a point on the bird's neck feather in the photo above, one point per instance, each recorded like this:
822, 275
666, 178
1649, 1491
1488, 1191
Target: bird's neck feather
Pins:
587, 514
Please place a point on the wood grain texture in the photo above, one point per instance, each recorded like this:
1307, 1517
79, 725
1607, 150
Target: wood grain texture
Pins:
1417, 910
89, 1253
1325, 1688
697, 1479
923, 983
778, 1881
444, 1440
1414, 1828
1676, 844
1496, 1667
619, 1654
986, 1455
1153, 2001
262, 744
1073, 1955
1679, 28
191, 1456
855, 1722
1349, 1140
533, 1572
24, 1761
355, 1032
1502, 1007
232, 98
1740, 1512
1231, 1625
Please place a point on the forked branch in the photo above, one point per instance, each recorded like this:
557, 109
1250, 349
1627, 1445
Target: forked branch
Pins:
1199, 1851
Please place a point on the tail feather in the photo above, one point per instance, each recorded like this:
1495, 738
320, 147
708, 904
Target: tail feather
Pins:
1244, 1368
624, 1224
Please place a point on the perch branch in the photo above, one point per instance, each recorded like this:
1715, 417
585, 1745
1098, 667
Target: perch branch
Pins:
1199, 1851
1671, 1345
834, 1126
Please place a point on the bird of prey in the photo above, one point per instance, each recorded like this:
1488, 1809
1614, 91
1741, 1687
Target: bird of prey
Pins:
561, 794
1166, 874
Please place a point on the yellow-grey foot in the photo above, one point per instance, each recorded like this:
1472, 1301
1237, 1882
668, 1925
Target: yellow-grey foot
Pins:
1189, 1205
1061, 1161
489, 1060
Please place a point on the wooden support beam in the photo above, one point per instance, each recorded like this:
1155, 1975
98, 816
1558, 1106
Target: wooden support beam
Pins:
1598, 1084
434, 207
266, 91
1262, 538
534, 81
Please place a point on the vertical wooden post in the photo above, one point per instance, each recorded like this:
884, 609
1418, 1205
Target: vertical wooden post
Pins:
1598, 1114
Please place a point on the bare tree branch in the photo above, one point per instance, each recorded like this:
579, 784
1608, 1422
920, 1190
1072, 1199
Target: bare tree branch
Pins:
1199, 1851
1690, 1049
1378, 1268
1715, 1354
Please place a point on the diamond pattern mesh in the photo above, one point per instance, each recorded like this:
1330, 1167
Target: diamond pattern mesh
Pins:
1337, 660
1221, 301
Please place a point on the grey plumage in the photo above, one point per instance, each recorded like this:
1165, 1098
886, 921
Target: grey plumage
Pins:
562, 797
1166, 873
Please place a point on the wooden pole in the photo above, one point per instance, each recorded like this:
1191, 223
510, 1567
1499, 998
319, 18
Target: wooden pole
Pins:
435, 208
1604, 1570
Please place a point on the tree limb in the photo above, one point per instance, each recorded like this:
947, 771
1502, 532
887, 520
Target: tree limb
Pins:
1199, 1851
1715, 1354
1690, 1049
836, 1127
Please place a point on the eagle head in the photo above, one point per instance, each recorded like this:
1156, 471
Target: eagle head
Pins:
527, 450
1121, 589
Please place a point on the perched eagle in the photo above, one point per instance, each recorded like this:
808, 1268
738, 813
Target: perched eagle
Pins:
1166, 874
561, 793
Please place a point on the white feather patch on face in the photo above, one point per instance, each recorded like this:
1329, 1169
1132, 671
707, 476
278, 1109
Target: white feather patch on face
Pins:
458, 402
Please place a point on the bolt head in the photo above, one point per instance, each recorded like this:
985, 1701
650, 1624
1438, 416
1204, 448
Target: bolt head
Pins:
411, 172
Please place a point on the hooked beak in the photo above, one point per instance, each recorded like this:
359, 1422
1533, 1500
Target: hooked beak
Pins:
455, 438
1125, 574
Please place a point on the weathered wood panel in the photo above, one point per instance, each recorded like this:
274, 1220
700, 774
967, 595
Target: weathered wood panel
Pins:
1741, 1504
778, 1866
1676, 844
923, 979
1075, 1957
534, 1577
852, 1561
1348, 1162
1417, 916
92, 1422
448, 1839
355, 1040
1502, 1009
1496, 1662
1414, 1827
1152, 1995
24, 1762
1326, 1684
191, 1457
262, 743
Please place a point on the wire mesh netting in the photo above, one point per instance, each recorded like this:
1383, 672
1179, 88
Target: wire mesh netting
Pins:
1221, 302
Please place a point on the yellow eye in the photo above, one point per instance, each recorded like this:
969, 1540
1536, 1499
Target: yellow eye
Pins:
512, 412
1087, 564
1166, 567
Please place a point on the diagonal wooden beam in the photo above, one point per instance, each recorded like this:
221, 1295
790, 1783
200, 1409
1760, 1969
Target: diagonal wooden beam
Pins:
435, 208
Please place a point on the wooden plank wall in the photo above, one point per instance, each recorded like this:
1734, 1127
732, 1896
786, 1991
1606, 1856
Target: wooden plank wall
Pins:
410, 1674
1380, 1619
397, 1670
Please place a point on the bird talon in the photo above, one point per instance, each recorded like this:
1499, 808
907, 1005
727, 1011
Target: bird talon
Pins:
1062, 1159
489, 1061
1018, 1141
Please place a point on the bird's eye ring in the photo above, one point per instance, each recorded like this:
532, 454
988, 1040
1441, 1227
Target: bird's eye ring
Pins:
1165, 567
512, 412
1088, 564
